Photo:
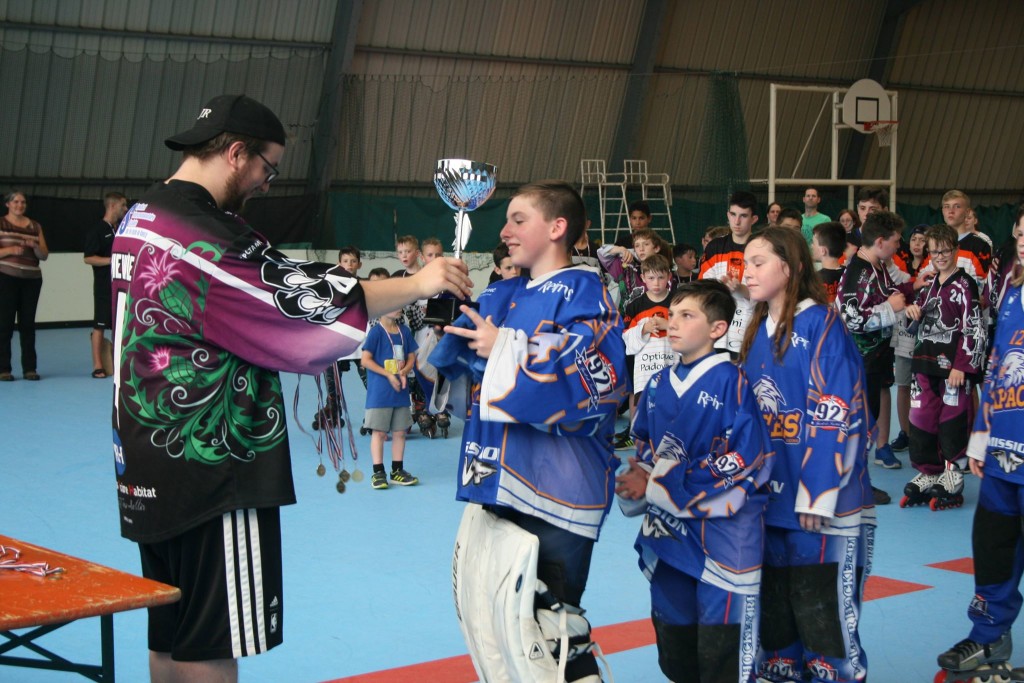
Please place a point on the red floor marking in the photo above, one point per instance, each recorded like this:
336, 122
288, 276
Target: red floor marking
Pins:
628, 635
880, 587
965, 565
614, 638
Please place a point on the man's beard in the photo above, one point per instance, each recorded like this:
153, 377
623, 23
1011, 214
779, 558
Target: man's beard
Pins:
234, 196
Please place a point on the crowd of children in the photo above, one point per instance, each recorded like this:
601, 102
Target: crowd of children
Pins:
758, 381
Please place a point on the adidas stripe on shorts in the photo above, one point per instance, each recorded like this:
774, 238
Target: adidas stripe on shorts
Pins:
229, 573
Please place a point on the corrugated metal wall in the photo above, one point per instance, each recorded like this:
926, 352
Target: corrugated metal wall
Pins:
530, 85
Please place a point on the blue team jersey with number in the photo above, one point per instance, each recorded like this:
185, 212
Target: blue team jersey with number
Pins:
815, 408
543, 405
708, 486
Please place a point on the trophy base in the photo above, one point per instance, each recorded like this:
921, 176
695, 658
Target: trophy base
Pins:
444, 310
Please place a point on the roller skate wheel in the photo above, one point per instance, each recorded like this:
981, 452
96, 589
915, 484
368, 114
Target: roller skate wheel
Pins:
935, 505
996, 673
904, 501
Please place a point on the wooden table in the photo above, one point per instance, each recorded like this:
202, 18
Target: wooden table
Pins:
83, 589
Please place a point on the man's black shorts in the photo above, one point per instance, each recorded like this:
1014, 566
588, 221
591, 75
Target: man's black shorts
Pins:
229, 573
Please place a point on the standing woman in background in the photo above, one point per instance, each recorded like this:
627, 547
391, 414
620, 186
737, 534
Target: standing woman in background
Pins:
22, 247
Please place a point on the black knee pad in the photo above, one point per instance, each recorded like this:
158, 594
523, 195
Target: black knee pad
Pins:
815, 600
677, 651
924, 447
778, 627
719, 653
994, 539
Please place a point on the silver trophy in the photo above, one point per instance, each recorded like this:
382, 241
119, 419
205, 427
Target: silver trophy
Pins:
464, 186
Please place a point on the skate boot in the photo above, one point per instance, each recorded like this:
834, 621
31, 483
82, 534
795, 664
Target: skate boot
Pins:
443, 421
426, 423
326, 419
948, 490
969, 661
918, 490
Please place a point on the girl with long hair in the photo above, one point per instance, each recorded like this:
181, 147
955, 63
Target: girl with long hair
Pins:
809, 381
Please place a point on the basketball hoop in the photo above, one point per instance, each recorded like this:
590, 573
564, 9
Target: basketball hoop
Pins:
883, 129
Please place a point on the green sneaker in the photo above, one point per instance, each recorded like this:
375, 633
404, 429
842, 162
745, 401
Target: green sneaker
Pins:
403, 478
379, 480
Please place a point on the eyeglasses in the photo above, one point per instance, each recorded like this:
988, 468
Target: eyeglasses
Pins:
273, 169
942, 253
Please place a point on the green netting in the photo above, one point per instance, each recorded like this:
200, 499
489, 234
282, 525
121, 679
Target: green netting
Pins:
372, 221
723, 153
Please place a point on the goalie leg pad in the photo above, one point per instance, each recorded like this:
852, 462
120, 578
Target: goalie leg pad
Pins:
496, 592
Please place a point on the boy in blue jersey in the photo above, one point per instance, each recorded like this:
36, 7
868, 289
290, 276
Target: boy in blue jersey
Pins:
389, 355
702, 540
996, 452
547, 366
808, 377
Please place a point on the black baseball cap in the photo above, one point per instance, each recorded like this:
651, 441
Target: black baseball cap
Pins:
919, 229
230, 114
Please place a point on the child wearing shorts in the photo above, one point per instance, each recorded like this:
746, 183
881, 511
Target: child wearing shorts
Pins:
389, 354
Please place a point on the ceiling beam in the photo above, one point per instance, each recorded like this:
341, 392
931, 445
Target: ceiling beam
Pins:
264, 43
879, 70
645, 53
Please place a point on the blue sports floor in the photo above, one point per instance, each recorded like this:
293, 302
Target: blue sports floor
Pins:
367, 573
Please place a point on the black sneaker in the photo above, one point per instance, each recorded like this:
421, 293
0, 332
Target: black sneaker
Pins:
379, 480
624, 442
403, 478
901, 442
881, 497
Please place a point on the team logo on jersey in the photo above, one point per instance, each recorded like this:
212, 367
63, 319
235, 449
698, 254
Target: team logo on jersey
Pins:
659, 524
596, 373
933, 328
782, 424
1008, 460
305, 290
475, 471
831, 413
1008, 387
822, 670
119, 464
671, 447
799, 342
778, 668
726, 465
979, 608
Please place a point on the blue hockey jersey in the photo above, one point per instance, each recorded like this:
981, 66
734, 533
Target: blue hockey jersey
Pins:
543, 405
998, 436
707, 490
814, 405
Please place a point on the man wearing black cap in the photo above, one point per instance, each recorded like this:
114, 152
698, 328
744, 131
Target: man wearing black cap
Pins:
206, 313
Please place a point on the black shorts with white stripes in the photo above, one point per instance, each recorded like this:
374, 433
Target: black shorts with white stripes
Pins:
229, 573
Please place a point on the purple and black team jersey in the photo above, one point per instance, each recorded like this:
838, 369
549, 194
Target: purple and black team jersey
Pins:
205, 315
951, 334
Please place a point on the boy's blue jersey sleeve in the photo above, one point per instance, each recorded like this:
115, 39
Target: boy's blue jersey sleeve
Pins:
559, 360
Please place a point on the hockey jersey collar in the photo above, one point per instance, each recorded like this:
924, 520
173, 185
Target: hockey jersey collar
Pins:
770, 324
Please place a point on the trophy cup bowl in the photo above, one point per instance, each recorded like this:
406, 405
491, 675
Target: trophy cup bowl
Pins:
464, 185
